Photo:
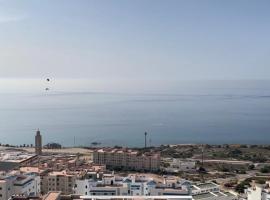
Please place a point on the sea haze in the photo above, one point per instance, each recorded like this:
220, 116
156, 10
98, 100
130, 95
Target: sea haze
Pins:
119, 112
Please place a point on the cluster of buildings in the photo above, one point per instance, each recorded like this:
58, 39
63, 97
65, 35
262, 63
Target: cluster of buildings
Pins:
127, 159
46, 176
145, 185
74, 177
104, 184
97, 183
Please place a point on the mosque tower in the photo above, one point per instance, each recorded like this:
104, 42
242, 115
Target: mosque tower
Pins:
38, 143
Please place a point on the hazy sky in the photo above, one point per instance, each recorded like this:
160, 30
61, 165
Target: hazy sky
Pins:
138, 39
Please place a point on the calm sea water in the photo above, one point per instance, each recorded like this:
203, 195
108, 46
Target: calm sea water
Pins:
118, 113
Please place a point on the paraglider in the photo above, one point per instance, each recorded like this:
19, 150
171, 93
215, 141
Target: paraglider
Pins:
47, 88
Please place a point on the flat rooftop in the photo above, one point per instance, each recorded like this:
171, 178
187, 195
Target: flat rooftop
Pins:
206, 185
52, 196
203, 196
183, 197
211, 195
14, 156
31, 170
125, 151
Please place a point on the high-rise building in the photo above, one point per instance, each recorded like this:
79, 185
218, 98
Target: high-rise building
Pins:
38, 143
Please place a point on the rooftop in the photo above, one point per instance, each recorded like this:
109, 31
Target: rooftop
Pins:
14, 156
206, 185
203, 196
125, 151
52, 196
31, 169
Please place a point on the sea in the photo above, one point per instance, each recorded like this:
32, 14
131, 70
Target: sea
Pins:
80, 112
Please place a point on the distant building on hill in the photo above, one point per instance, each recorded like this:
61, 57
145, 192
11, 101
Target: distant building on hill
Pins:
53, 145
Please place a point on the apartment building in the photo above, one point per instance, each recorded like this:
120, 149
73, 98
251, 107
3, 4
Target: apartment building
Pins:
58, 181
19, 184
127, 159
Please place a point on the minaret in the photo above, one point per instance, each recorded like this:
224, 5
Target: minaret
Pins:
38, 143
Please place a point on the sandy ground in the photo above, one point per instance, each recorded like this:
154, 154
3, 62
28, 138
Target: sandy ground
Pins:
63, 150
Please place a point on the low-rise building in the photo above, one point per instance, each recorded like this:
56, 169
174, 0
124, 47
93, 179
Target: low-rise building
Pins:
210, 191
259, 192
132, 185
215, 196
10, 159
202, 188
178, 165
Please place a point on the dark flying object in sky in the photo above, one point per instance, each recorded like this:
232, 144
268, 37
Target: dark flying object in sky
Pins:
48, 79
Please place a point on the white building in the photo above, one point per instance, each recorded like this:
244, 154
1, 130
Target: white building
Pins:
210, 191
133, 185
205, 188
259, 192
215, 196
27, 184
177, 165
82, 187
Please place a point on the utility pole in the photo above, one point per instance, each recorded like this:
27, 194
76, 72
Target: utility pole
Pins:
202, 165
202, 155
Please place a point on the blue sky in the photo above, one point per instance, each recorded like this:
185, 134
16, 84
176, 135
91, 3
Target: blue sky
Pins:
138, 40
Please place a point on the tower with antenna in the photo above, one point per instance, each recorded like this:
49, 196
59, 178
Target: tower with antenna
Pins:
202, 156
202, 170
145, 139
